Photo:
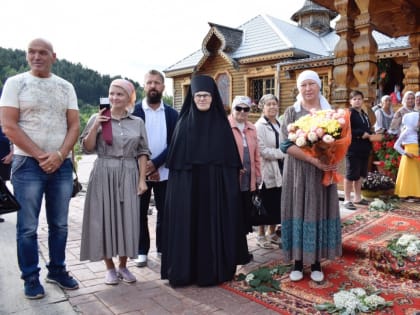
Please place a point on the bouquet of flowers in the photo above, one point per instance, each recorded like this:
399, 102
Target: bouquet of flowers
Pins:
354, 301
406, 246
382, 206
323, 134
264, 279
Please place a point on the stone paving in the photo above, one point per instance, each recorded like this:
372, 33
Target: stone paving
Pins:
149, 295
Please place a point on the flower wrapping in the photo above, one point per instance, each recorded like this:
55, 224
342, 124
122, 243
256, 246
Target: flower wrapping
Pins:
323, 134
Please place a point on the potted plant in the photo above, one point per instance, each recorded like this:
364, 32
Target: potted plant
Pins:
376, 184
387, 158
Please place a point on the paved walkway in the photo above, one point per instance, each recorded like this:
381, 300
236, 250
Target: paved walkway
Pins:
149, 295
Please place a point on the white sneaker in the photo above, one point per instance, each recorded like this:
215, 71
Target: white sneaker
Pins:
317, 276
126, 276
141, 261
296, 275
273, 238
111, 277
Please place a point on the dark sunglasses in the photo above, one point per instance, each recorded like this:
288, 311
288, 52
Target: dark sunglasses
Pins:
242, 109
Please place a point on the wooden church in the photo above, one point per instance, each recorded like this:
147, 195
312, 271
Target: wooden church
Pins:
375, 45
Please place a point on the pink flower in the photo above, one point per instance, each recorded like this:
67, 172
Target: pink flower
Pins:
300, 141
292, 136
291, 127
328, 139
341, 121
312, 137
319, 132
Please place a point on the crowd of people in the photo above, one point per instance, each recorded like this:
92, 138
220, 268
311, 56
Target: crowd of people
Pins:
202, 166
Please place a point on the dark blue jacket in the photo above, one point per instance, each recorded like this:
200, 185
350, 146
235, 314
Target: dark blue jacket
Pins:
171, 117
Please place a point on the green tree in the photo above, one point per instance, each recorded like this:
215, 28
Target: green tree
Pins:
88, 83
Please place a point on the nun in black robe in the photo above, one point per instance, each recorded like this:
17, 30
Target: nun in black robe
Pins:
203, 240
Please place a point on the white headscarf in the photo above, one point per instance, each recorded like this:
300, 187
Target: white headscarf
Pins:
309, 75
410, 120
406, 94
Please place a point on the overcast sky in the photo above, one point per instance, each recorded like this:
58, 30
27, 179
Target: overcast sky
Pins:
127, 37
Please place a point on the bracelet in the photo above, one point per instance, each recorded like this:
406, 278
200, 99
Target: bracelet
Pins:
60, 156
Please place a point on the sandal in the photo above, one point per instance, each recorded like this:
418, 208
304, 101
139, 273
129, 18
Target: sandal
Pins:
264, 243
273, 238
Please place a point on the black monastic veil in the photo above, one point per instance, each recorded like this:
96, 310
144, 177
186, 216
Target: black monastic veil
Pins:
203, 242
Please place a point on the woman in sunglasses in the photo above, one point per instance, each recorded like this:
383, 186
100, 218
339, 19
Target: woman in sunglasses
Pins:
268, 129
246, 140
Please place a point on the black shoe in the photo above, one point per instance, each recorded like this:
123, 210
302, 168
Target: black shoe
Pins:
33, 288
63, 280
1, 220
362, 202
246, 260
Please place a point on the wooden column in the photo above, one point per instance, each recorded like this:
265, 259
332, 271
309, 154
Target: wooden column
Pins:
343, 79
365, 49
412, 73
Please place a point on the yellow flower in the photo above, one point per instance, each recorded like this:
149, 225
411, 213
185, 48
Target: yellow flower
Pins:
323, 125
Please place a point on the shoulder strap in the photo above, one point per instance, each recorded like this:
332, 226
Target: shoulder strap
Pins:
279, 161
274, 129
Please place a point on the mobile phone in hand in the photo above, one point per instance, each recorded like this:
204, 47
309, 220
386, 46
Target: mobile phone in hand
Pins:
104, 103
106, 125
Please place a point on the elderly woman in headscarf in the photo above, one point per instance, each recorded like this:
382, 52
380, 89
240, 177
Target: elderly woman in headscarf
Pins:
408, 103
204, 237
407, 184
310, 214
111, 213
384, 115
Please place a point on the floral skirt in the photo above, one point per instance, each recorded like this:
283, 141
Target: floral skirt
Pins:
408, 184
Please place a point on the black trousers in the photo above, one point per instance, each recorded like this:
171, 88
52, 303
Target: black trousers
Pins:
159, 191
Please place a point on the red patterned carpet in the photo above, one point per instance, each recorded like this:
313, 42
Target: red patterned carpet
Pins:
363, 264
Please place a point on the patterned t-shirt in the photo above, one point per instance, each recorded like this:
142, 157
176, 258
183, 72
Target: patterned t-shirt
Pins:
43, 105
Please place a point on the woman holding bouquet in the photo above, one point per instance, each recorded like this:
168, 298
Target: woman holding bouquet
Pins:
310, 214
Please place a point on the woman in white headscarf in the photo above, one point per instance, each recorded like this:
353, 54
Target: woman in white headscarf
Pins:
407, 184
384, 115
408, 103
310, 214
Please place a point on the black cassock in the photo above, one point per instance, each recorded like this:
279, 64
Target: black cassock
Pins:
203, 230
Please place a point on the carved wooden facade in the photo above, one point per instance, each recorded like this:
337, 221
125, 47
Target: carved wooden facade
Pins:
353, 65
356, 54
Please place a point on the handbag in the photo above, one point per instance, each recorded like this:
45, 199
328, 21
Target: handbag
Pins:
77, 186
258, 209
8, 202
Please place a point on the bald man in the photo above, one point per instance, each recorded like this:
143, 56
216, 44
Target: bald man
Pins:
40, 116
